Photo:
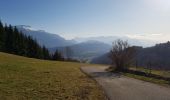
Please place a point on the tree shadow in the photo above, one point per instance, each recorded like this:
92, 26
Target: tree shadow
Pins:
106, 74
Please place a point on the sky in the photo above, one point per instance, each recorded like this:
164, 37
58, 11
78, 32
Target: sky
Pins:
139, 19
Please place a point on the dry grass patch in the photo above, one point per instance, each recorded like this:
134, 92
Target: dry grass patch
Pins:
25, 78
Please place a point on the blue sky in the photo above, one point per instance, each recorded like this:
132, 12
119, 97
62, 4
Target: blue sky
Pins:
140, 19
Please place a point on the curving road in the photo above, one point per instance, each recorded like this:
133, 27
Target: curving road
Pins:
119, 87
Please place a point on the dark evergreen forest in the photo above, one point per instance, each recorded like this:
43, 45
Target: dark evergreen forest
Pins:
15, 42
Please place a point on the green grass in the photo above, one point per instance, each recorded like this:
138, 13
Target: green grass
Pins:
145, 78
148, 79
163, 73
24, 78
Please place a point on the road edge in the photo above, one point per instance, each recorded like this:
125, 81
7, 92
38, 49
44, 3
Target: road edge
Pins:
100, 86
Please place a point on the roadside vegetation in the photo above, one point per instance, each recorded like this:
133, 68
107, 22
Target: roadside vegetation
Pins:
156, 76
123, 57
26, 78
163, 73
148, 79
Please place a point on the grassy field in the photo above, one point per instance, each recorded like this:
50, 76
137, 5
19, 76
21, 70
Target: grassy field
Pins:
31, 79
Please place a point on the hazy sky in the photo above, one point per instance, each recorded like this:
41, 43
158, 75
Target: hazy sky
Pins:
141, 19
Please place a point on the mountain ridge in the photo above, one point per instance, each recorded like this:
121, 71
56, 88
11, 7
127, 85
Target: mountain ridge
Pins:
44, 38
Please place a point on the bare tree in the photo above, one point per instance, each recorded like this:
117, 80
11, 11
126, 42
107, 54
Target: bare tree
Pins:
121, 54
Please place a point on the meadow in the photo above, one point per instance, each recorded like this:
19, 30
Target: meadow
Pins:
26, 78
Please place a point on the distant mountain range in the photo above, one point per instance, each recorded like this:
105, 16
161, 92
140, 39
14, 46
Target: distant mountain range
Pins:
53, 40
80, 50
44, 38
110, 39
85, 50
158, 56
88, 48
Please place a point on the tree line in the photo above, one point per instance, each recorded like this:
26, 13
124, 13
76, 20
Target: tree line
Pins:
15, 42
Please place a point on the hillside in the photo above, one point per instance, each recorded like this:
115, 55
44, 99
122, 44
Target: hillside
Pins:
158, 56
25, 78
85, 50
44, 38
102, 59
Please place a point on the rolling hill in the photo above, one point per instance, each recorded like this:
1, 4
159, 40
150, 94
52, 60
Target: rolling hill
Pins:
158, 56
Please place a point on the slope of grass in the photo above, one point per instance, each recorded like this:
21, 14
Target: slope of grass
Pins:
31, 79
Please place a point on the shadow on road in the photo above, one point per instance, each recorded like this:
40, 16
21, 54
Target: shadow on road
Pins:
106, 75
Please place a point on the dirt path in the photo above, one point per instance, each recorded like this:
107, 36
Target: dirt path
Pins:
119, 87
